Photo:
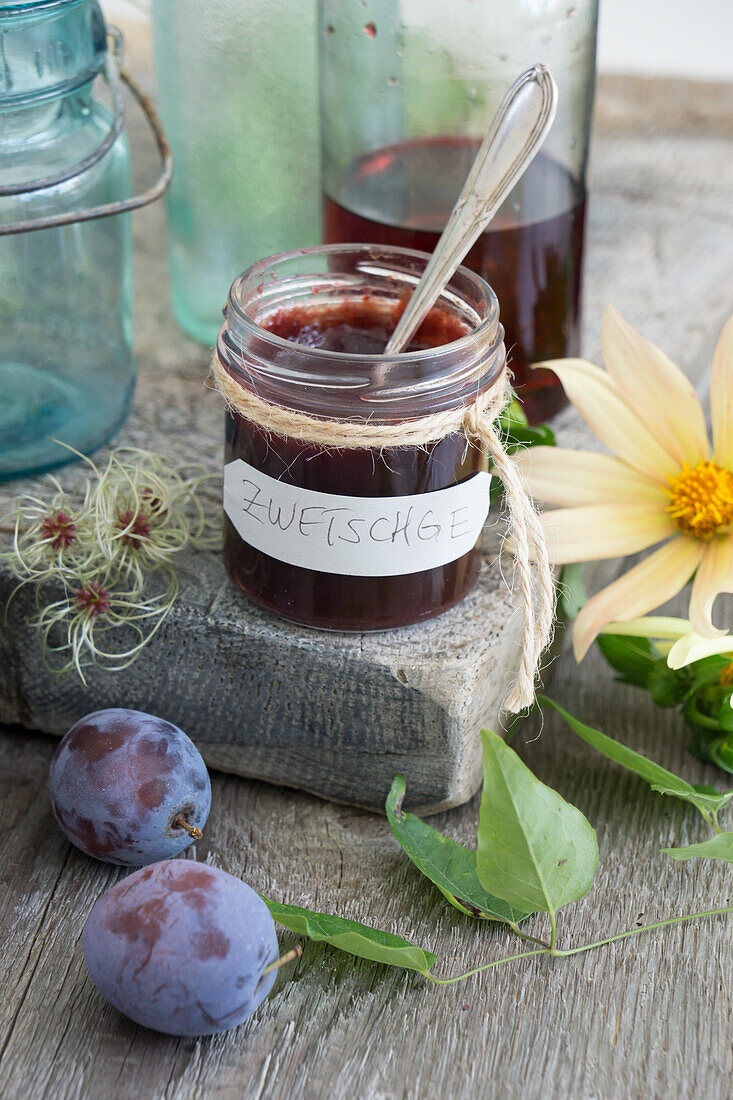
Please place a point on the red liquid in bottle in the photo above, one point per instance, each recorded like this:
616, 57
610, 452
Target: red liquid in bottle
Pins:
402, 195
336, 601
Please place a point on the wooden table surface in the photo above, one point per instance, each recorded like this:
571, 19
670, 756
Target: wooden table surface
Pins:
647, 1016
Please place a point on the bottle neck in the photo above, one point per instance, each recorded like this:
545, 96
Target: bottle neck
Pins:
39, 123
49, 49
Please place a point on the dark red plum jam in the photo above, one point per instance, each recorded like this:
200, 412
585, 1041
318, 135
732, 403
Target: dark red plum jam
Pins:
335, 601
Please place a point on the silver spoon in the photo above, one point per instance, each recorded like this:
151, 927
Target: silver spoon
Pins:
520, 126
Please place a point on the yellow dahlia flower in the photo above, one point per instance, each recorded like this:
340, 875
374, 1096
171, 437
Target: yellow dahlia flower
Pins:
664, 486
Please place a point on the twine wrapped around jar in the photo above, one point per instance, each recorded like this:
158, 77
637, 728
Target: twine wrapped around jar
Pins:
477, 421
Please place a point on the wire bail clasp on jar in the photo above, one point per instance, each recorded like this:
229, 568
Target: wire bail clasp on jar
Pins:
114, 76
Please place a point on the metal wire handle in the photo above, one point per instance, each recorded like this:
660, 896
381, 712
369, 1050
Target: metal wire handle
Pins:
114, 78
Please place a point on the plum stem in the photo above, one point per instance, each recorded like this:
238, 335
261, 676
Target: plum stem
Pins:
286, 958
193, 831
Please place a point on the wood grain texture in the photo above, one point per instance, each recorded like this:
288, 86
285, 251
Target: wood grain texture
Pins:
332, 714
649, 1017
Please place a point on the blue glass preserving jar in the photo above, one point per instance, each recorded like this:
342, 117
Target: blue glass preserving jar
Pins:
66, 366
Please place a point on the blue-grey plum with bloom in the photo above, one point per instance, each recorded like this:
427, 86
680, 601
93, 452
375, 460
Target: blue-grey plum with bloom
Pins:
181, 947
129, 788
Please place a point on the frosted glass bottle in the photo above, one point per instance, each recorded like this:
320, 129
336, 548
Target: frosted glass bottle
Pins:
66, 366
237, 93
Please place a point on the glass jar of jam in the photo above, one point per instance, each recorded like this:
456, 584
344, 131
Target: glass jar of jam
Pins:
355, 538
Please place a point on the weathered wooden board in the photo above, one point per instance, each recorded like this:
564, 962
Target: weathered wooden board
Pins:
333, 714
649, 1017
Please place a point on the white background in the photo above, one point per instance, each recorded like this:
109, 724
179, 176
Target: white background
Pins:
689, 38
692, 38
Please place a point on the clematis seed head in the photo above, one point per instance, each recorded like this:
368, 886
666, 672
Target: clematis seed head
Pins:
58, 529
136, 526
93, 599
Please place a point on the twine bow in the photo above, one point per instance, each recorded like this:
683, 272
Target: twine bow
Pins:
477, 422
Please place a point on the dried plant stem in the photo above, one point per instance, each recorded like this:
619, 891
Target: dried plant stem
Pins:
561, 954
295, 953
193, 831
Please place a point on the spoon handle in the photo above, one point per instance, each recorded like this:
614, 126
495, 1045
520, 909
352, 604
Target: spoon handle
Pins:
519, 128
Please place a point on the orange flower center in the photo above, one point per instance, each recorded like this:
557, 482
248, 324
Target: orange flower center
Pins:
726, 676
701, 499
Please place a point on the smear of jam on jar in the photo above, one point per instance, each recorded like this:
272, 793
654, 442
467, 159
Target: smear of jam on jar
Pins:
335, 601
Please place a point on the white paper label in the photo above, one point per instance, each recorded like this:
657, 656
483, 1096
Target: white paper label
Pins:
356, 536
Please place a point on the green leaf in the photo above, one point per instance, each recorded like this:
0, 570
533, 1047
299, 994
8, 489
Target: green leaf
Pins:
633, 658
700, 798
704, 788
658, 778
517, 429
702, 696
668, 687
706, 672
720, 753
572, 593
719, 846
351, 936
535, 850
448, 865
621, 754
519, 436
514, 415
517, 433
725, 714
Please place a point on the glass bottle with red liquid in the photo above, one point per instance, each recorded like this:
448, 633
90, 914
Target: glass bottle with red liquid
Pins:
408, 90
349, 538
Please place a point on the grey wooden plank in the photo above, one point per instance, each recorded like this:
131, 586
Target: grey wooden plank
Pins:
648, 1015
332, 714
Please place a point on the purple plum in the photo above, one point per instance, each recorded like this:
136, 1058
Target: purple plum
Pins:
129, 788
181, 947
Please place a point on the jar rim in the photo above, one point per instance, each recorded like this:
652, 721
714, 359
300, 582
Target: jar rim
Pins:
345, 384
79, 24
259, 269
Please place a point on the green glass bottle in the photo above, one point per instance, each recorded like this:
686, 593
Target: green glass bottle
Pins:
237, 92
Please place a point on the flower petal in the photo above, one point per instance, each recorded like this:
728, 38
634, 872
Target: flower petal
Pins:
651, 626
715, 575
650, 583
599, 403
657, 391
561, 476
721, 397
693, 648
596, 531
